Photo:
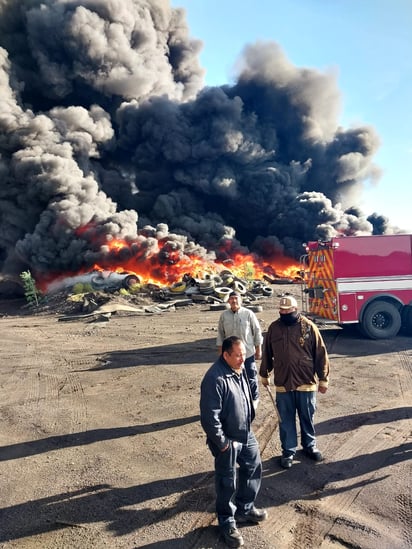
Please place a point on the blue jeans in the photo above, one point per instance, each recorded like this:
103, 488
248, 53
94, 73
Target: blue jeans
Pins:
251, 372
304, 404
236, 491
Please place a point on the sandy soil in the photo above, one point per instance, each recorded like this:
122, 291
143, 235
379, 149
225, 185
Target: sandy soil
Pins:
101, 446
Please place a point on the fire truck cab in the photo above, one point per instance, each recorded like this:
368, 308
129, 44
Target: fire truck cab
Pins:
360, 279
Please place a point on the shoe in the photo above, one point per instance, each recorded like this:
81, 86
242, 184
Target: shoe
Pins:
286, 462
255, 515
313, 453
232, 537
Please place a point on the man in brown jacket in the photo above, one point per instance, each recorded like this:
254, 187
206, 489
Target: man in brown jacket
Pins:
294, 350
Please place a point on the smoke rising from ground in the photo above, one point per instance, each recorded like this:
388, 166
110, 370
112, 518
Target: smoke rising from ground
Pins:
107, 132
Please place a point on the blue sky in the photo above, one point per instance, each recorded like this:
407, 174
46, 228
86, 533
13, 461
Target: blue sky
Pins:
368, 46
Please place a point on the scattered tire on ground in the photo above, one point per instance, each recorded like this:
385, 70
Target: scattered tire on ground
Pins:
255, 308
218, 306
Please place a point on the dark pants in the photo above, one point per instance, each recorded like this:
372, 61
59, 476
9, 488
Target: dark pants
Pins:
251, 372
302, 403
236, 491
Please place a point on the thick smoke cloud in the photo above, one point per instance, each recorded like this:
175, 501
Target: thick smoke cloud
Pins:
107, 132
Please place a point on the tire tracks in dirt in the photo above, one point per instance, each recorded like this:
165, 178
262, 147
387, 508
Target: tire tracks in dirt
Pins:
404, 501
405, 380
321, 512
326, 516
198, 507
313, 523
317, 520
50, 402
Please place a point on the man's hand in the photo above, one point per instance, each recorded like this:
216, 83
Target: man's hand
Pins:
265, 381
322, 389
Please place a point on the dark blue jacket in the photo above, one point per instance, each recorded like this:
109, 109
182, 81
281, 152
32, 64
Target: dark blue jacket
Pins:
226, 410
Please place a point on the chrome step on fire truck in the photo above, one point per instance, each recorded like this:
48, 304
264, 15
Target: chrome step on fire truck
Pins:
360, 279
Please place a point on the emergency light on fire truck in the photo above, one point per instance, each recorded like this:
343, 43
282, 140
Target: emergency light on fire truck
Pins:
360, 279
323, 243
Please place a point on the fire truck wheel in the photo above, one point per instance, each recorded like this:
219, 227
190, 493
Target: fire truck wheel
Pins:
381, 320
407, 320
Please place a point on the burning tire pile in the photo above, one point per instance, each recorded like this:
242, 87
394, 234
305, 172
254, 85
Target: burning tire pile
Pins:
79, 296
216, 288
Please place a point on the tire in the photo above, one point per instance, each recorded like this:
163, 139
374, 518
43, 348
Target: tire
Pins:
407, 320
97, 281
130, 281
223, 292
178, 288
255, 308
199, 298
381, 320
239, 287
218, 307
267, 291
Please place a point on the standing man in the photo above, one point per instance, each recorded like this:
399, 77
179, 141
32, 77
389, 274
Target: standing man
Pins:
226, 414
242, 322
294, 350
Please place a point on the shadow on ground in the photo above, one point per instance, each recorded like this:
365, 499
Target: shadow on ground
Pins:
191, 352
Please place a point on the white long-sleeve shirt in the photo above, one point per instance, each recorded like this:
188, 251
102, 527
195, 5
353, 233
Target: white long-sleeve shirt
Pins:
244, 324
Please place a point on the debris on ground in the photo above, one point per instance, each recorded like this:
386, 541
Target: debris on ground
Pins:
83, 302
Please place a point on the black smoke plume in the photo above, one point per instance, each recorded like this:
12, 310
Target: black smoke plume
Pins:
107, 132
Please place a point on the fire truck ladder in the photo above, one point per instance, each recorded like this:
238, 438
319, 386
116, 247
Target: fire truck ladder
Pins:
303, 261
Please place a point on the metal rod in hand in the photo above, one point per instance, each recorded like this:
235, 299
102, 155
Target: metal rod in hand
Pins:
272, 398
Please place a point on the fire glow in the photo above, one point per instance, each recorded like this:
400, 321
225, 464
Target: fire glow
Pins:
166, 264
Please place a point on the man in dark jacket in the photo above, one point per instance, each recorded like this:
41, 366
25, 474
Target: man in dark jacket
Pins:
294, 350
226, 414
242, 322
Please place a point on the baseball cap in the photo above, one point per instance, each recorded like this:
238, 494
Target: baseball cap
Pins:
234, 294
287, 302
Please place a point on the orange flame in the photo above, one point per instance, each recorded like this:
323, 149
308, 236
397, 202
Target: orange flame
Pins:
251, 267
163, 266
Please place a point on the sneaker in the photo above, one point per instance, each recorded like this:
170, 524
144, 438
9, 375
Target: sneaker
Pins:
232, 537
286, 462
313, 453
255, 515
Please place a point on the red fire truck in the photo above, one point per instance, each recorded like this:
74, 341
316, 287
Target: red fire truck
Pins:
360, 279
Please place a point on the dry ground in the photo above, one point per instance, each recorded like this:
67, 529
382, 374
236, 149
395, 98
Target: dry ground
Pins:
101, 446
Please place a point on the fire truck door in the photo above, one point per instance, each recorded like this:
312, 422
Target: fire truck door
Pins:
348, 308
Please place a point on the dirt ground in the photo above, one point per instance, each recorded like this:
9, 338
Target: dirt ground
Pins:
101, 445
